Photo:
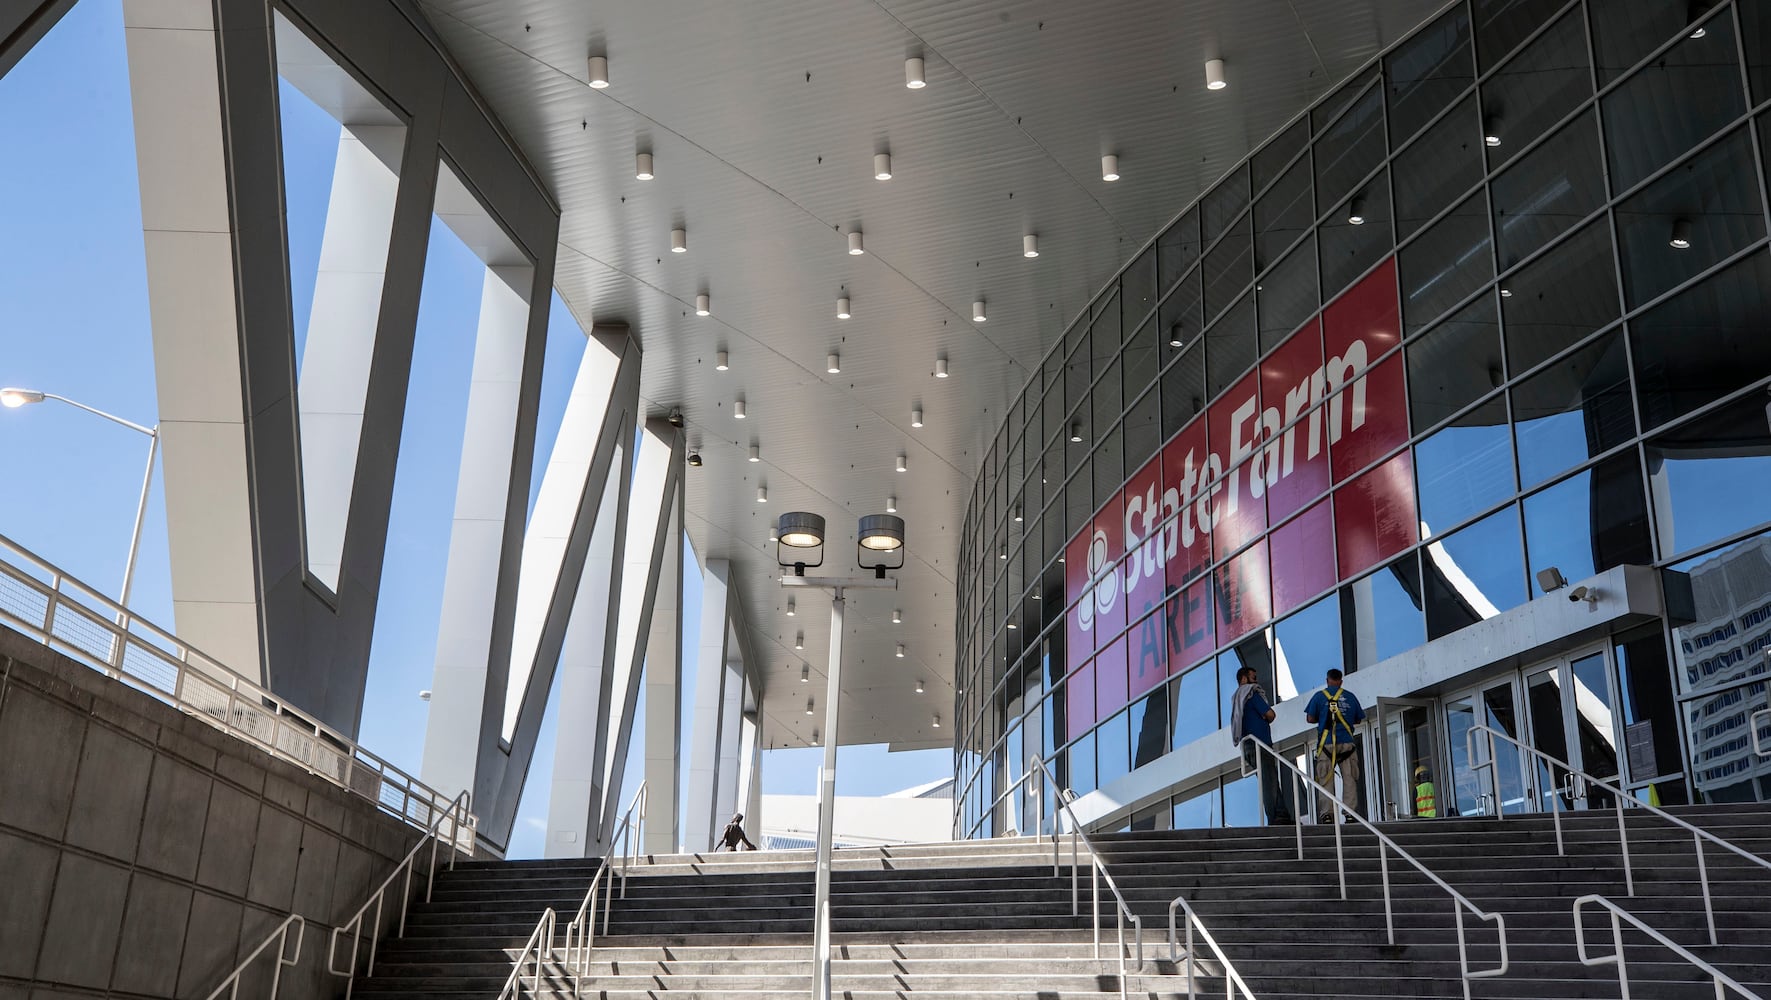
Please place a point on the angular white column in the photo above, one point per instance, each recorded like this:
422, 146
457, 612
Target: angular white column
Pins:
731, 738
664, 678
700, 823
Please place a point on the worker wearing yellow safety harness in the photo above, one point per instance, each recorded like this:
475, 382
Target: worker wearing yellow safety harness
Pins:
1335, 711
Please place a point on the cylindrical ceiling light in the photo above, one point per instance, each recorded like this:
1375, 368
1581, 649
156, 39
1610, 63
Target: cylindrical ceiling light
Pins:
1110, 167
855, 249
720, 361
1491, 130
919, 685
881, 532
1012, 626
738, 408
1018, 518
900, 651
1214, 75
833, 363
940, 367
774, 536
916, 416
791, 609
762, 494
1030, 245
756, 453
805, 673
913, 73
799, 640
1075, 431
842, 307
903, 463
642, 167
978, 311
1681, 234
679, 241
1174, 335
801, 530
891, 505
937, 722
1356, 211
808, 706
704, 304
599, 71
882, 166
897, 616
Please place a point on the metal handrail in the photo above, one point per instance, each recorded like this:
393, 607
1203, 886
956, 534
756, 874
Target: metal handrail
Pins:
1460, 902
280, 936
1097, 873
458, 816
1618, 915
1752, 722
1232, 978
76, 620
1576, 787
540, 948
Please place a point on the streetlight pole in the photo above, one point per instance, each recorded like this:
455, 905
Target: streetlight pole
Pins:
12, 399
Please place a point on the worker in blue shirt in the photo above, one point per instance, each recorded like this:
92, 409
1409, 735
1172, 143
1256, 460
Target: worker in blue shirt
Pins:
1252, 715
1335, 711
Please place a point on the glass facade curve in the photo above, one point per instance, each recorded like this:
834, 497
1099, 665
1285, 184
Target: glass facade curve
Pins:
1500, 302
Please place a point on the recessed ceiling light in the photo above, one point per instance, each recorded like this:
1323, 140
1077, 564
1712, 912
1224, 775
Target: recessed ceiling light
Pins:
703, 304
882, 166
900, 651
599, 71
719, 361
855, 249
1109, 167
1214, 75
679, 241
913, 73
1356, 211
978, 311
842, 307
1681, 234
916, 416
891, 505
903, 463
762, 494
738, 408
1030, 245
756, 453
642, 167
940, 367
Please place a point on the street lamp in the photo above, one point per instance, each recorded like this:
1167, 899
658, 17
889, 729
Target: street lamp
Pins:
12, 398
877, 538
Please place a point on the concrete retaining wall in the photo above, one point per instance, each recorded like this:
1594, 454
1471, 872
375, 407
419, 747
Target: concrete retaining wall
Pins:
144, 853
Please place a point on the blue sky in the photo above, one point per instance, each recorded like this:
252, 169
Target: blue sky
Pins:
66, 111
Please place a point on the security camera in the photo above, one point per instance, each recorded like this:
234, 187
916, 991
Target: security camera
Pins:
1586, 594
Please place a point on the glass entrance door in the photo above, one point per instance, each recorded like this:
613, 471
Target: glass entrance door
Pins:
1405, 778
1494, 704
1570, 703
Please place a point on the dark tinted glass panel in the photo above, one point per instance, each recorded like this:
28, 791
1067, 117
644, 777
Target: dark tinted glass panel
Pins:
1440, 168
1673, 103
1195, 703
1181, 319
1143, 359
1755, 23
1559, 298
1348, 248
1149, 728
1307, 645
1229, 267
1455, 363
1464, 468
1711, 476
1474, 574
1705, 342
1381, 614
1330, 108
1137, 288
1533, 92
1427, 72
1078, 373
1078, 494
1589, 522
1282, 214
1274, 156
1177, 248
1287, 294
1576, 408
1644, 682
1230, 347
1052, 409
1547, 192
1183, 391
1351, 149
1703, 211
1222, 204
1502, 24
1109, 465
1630, 29
1446, 264
1106, 399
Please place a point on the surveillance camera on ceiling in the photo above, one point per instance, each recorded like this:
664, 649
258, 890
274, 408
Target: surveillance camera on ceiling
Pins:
1586, 594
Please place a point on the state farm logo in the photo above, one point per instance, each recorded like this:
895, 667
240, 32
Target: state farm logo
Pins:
1103, 576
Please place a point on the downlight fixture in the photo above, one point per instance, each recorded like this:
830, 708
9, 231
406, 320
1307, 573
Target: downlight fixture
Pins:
1214, 75
599, 72
762, 494
937, 722
642, 167
842, 307
891, 505
916, 416
703, 304
919, 687
1174, 335
855, 248
1681, 238
738, 409
1491, 130
756, 453
978, 311
900, 652
808, 706
913, 73
791, 610
1110, 168
799, 640
903, 463
1030, 245
897, 616
882, 166
833, 363
940, 367
1356, 211
679, 241
1075, 432
721, 361
805, 673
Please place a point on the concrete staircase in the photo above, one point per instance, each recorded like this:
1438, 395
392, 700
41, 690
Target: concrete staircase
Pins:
987, 919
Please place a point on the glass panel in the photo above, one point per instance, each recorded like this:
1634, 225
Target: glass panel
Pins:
1274, 156
1143, 429
1198, 810
1229, 267
1589, 522
1576, 408
1474, 574
1560, 298
1231, 347
1222, 204
1330, 107
1148, 726
1536, 90
1709, 476
1684, 96
1374, 516
1447, 263
1543, 698
1242, 801
1686, 221
1381, 614
1648, 708
1351, 149
1350, 248
1177, 249
1181, 319
1755, 23
1455, 363
1137, 287
1079, 766
1106, 400
1193, 703
1078, 373
1306, 646
1707, 341
1283, 214
1112, 749
1502, 24
1288, 295
1183, 391
1465, 468
1595, 728
1427, 72
1547, 192
1631, 29
1109, 465
1728, 594
1443, 166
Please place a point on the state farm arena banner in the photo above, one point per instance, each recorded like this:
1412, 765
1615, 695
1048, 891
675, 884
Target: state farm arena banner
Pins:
1291, 480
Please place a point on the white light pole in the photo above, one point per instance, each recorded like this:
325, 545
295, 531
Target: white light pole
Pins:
12, 399
881, 534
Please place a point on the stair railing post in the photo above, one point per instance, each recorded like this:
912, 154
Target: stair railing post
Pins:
1703, 877
1095, 894
1340, 854
1623, 846
1383, 863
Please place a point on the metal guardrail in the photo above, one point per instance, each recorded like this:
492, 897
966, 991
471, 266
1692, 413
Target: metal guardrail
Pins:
1232, 979
278, 937
1618, 917
59, 611
1097, 869
458, 817
1575, 786
1460, 902
538, 949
